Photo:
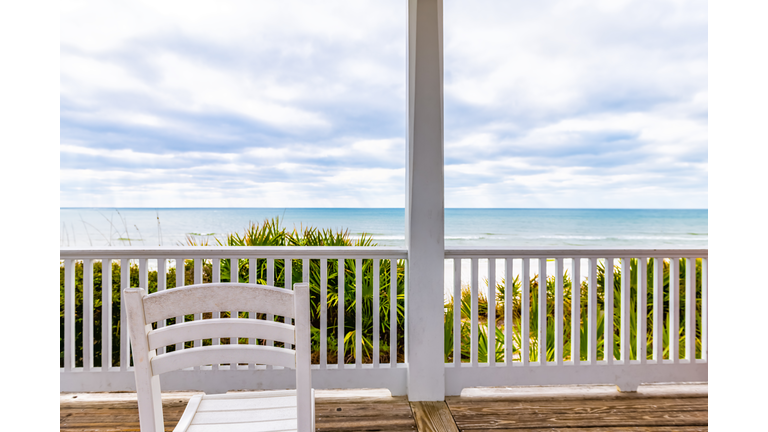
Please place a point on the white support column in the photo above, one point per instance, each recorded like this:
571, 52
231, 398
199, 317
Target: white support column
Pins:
424, 207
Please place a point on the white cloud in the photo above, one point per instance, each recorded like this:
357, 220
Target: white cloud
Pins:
547, 104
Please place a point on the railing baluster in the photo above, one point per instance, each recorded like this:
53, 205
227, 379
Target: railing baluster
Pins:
87, 314
393, 312
608, 342
704, 278
542, 357
180, 281
625, 282
323, 313
161, 281
125, 347
525, 336
690, 309
198, 272
658, 309
216, 314
305, 268
642, 310
288, 285
592, 312
106, 314
474, 329
376, 292
358, 312
576, 311
674, 309
457, 312
69, 315
508, 311
559, 311
253, 277
491, 319
341, 306
270, 282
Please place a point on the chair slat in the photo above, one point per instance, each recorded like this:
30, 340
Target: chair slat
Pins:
267, 426
243, 416
197, 299
217, 327
231, 354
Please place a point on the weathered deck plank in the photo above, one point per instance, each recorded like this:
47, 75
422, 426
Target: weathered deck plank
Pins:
586, 408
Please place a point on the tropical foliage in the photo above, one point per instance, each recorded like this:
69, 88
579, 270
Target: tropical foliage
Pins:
271, 233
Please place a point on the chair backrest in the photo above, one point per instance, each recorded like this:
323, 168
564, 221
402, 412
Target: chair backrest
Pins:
144, 309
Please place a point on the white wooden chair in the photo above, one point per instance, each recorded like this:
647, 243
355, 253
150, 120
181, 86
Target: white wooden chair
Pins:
252, 411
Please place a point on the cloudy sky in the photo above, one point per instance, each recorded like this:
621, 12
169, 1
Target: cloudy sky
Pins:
596, 104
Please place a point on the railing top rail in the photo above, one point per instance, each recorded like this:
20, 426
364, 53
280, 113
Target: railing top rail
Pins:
188, 252
576, 252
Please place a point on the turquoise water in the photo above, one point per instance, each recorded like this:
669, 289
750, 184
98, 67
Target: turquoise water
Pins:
463, 227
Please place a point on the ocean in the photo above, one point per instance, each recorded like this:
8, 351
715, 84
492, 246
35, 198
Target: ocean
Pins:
513, 228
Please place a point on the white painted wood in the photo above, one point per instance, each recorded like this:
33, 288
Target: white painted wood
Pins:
376, 291
143, 273
340, 316
220, 296
358, 311
323, 312
424, 207
642, 309
542, 355
690, 309
576, 311
457, 311
212, 354
106, 313
559, 311
393, 312
269, 252
624, 331
674, 309
491, 319
69, 314
189, 413
125, 282
216, 270
474, 333
149, 366
161, 284
559, 252
704, 303
87, 314
253, 275
198, 279
658, 308
270, 282
211, 328
608, 338
305, 403
525, 313
147, 382
592, 312
180, 280
508, 311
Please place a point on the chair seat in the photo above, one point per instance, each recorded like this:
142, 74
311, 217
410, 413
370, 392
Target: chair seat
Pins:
242, 411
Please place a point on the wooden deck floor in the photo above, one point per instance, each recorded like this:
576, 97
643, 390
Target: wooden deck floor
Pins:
579, 408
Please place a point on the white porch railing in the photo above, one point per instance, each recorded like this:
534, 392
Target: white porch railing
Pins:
585, 362
86, 376
573, 340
